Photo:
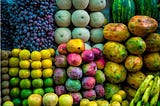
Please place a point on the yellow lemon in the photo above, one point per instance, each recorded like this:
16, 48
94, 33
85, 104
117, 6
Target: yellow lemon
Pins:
45, 54
47, 73
47, 63
36, 64
36, 73
36, 56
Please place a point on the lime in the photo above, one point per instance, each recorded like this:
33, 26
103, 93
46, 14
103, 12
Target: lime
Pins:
52, 51
17, 102
25, 93
65, 97
92, 103
35, 100
13, 72
39, 91
36, 56
122, 93
15, 92
47, 73
14, 81
48, 82
15, 52
24, 64
45, 54
24, 73
24, 54
14, 62
36, 73
25, 83
47, 63
36, 64
37, 83
8, 103
49, 89
84, 102
25, 102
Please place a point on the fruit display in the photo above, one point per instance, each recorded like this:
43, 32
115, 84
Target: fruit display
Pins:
80, 53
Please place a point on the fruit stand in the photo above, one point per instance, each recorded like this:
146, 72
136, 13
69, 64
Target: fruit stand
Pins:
80, 53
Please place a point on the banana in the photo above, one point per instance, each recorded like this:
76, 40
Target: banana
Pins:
139, 103
146, 94
132, 103
154, 99
155, 86
137, 96
145, 83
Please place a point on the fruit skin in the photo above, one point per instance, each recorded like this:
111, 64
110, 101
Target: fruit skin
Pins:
24, 73
111, 89
60, 89
116, 97
8, 103
152, 61
65, 97
117, 32
98, 45
63, 18
35, 100
5, 84
75, 45
60, 61
152, 42
80, 4
148, 8
82, 16
5, 92
50, 99
115, 72
5, 77
133, 63
73, 85
77, 97
87, 56
24, 64
74, 72
74, 59
115, 51
36, 64
92, 103
6, 98
100, 92
84, 102
96, 5
122, 11
136, 45
100, 77
140, 25
135, 79
46, 63
25, 93
36, 56
96, 35
100, 63
45, 54
24, 54
64, 4
4, 70
14, 62
15, 52
97, 53
88, 82
60, 76
89, 94
62, 48
89, 69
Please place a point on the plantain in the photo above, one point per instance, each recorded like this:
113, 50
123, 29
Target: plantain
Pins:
154, 99
146, 94
132, 103
155, 86
139, 103
137, 96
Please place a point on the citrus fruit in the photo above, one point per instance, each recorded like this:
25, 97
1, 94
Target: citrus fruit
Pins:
25, 102
14, 81
8, 103
50, 99
115, 103
24, 64
13, 71
47, 63
39, 91
15, 52
116, 97
52, 51
84, 102
25, 93
36, 56
48, 82
37, 83
92, 103
49, 90
35, 100
65, 97
36, 64
122, 93
104, 103
125, 103
14, 62
36, 73
17, 102
25, 83
15, 92
45, 54
24, 54
47, 73
24, 73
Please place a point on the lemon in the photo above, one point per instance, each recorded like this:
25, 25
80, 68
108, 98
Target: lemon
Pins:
52, 51
24, 64
36, 73
36, 56
8, 103
24, 73
92, 103
104, 103
24, 54
13, 72
45, 54
65, 97
14, 62
15, 52
37, 83
47, 63
48, 72
36, 64
116, 97
35, 100
122, 93
115, 103
25, 83
84, 102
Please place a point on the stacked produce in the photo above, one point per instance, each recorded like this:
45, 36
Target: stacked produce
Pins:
5, 77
